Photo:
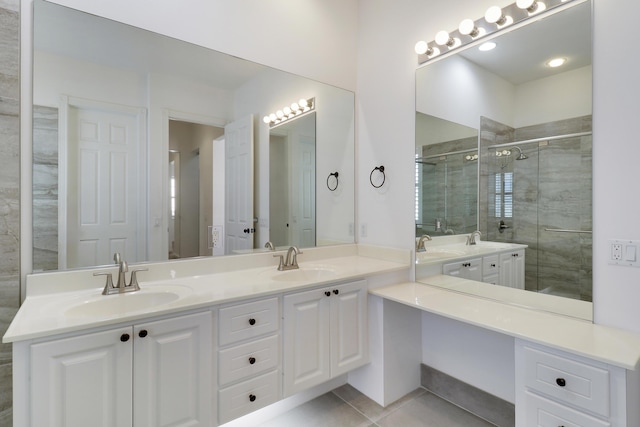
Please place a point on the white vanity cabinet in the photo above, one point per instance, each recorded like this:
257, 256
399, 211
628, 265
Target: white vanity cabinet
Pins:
512, 269
248, 357
325, 334
470, 269
152, 374
556, 388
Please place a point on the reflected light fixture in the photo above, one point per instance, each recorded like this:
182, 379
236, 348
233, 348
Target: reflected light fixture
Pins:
531, 6
484, 47
556, 62
296, 109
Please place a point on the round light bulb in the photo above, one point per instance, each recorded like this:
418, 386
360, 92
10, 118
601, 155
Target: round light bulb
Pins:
498, 153
525, 4
468, 28
421, 47
295, 106
280, 114
266, 119
494, 15
303, 103
286, 111
273, 117
442, 38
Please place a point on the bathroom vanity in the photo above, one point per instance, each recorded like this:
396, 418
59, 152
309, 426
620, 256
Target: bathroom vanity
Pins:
191, 348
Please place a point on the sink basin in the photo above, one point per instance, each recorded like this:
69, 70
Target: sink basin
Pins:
122, 304
305, 274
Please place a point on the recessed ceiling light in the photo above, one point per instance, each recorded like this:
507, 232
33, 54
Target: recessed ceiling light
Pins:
487, 46
556, 62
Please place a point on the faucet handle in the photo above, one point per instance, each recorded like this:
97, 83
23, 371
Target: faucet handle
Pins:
281, 264
109, 284
134, 277
117, 258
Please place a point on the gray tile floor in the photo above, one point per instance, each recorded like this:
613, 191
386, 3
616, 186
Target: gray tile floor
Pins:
347, 407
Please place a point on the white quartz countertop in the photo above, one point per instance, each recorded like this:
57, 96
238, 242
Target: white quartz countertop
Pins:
609, 345
45, 314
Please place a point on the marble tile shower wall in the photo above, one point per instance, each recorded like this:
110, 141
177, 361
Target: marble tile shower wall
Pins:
45, 188
449, 188
551, 190
9, 190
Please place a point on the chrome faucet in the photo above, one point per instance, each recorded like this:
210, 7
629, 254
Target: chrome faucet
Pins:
269, 246
420, 245
121, 286
471, 239
290, 260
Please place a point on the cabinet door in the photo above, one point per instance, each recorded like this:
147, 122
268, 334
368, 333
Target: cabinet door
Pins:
507, 266
172, 372
518, 270
306, 340
349, 332
83, 381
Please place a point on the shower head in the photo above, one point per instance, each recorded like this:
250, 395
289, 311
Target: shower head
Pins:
522, 156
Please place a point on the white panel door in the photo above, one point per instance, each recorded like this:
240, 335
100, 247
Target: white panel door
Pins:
239, 224
349, 332
306, 359
103, 186
82, 381
303, 185
172, 372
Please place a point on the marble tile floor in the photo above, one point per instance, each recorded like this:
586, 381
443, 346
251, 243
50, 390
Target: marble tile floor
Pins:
347, 407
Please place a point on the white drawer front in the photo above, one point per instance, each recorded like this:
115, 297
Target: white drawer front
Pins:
579, 384
248, 320
248, 396
248, 359
542, 412
490, 265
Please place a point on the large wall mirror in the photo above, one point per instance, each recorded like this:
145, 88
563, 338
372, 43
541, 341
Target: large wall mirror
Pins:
503, 145
157, 149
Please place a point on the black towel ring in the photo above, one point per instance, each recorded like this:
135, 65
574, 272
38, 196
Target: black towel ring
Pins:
384, 177
329, 177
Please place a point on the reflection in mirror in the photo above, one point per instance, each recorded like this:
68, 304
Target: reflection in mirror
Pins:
292, 183
534, 148
446, 177
112, 110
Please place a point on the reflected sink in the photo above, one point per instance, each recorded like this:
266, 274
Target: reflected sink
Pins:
305, 274
126, 303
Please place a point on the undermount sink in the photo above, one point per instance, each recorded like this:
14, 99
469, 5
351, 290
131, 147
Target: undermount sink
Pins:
305, 274
126, 303
440, 253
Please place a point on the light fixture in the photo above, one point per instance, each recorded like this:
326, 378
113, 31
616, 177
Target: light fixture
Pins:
303, 106
495, 15
487, 46
496, 19
556, 62
531, 6
468, 28
443, 38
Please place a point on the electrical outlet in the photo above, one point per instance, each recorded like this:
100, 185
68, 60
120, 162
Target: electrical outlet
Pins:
216, 236
616, 251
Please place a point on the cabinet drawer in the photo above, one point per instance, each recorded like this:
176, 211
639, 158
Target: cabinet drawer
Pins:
243, 321
490, 265
248, 359
248, 396
542, 412
580, 384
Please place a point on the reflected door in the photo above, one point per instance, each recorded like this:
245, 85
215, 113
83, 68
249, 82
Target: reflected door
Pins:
303, 187
102, 202
239, 226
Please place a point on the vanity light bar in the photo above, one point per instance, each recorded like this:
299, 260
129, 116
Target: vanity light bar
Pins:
303, 106
494, 20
